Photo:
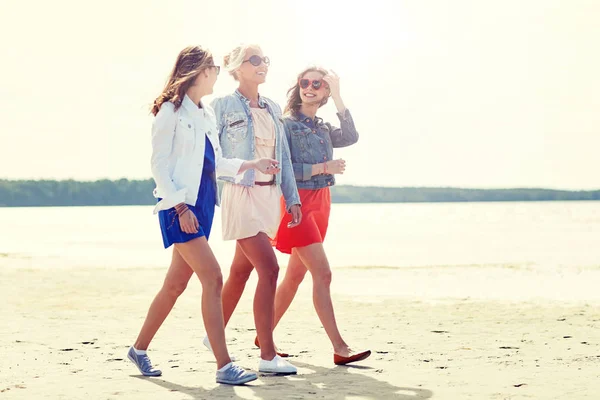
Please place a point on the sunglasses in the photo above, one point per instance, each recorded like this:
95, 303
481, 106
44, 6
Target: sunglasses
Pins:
218, 68
316, 83
257, 60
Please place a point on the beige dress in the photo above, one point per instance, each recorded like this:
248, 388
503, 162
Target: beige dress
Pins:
246, 211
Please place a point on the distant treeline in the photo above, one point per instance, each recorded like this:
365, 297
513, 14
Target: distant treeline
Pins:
139, 192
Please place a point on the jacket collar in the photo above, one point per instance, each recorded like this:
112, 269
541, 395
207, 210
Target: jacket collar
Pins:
298, 116
192, 107
261, 102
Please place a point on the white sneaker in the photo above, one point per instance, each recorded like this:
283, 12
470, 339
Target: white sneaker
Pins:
206, 342
277, 366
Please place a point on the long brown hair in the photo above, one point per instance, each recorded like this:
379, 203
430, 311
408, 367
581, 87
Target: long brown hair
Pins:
191, 61
294, 101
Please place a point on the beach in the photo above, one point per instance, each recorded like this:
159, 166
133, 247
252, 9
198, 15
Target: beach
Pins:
456, 301
463, 236
67, 331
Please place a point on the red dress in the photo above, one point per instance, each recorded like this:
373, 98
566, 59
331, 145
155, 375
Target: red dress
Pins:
316, 205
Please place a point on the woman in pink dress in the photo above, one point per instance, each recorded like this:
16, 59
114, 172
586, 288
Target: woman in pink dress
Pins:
250, 127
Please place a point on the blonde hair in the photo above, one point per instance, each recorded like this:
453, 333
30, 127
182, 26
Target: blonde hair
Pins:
234, 60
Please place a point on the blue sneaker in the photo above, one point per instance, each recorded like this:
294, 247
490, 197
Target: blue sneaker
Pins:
143, 363
235, 375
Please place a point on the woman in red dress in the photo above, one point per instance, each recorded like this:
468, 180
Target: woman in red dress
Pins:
311, 143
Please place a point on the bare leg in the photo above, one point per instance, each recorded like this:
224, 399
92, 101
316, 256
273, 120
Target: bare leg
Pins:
296, 271
314, 258
240, 271
259, 252
201, 259
175, 283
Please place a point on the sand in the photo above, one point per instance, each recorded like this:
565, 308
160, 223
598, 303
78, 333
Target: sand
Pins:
65, 334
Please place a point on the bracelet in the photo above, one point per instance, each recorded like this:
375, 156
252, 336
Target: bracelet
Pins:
181, 209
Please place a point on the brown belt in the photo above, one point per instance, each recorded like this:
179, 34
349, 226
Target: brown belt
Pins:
265, 183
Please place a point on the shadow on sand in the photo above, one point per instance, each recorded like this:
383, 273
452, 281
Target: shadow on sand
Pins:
312, 382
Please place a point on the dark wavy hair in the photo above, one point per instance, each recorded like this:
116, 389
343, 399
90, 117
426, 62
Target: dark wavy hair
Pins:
191, 61
294, 101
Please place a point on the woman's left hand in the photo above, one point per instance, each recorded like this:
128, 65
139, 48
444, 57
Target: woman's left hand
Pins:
296, 216
334, 83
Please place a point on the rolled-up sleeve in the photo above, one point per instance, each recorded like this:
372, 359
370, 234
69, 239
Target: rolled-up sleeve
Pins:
347, 134
228, 166
302, 172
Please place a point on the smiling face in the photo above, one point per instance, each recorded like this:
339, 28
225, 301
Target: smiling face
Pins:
313, 89
254, 67
306, 92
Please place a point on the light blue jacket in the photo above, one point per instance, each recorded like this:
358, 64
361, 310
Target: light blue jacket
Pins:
236, 136
312, 142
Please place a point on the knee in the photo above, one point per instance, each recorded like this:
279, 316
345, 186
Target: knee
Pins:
296, 277
323, 276
173, 288
241, 275
212, 280
269, 273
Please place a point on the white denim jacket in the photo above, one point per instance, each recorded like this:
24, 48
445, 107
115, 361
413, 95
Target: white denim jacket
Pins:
178, 144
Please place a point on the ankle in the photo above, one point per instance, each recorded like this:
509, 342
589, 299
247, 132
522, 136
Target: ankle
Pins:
268, 356
224, 365
140, 347
341, 348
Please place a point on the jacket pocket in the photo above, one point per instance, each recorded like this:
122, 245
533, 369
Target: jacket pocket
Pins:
185, 136
300, 148
236, 126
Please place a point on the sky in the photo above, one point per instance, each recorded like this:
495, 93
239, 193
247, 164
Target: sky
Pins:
461, 93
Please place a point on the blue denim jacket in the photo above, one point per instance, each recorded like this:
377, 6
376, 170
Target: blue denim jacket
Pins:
312, 142
236, 135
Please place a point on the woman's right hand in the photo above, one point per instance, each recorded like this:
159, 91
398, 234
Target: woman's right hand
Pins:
188, 222
336, 166
267, 166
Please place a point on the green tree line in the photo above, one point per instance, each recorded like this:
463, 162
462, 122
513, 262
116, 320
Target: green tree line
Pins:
27, 193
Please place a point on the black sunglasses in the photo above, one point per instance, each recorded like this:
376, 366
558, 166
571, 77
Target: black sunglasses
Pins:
256, 60
316, 83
